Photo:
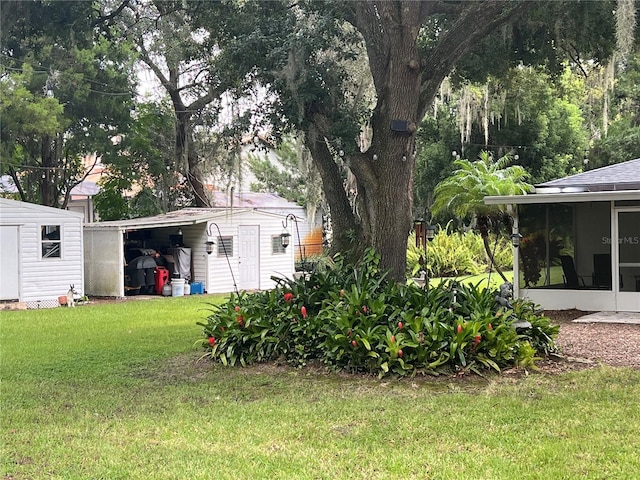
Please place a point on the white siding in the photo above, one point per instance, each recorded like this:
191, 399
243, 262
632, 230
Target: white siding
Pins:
45, 279
104, 251
220, 278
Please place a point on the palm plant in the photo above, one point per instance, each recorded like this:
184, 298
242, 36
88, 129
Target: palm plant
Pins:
462, 194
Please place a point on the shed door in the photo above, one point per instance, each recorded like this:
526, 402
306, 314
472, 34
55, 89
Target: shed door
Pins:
249, 257
9, 272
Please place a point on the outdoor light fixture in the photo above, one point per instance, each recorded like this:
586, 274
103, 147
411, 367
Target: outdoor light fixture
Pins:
284, 239
430, 231
285, 235
209, 246
515, 239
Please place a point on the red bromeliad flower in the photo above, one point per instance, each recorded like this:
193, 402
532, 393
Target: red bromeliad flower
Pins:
237, 308
212, 341
393, 339
400, 353
476, 340
288, 297
240, 320
364, 309
459, 328
400, 325
490, 327
354, 343
303, 310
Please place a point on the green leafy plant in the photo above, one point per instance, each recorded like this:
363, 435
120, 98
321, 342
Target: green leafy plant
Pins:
452, 253
350, 317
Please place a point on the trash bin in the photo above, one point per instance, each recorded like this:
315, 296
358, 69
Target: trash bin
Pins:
161, 277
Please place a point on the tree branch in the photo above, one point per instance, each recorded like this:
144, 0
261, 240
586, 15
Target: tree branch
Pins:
477, 19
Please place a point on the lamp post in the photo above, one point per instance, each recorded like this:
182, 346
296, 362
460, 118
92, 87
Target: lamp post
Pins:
209, 246
425, 232
285, 236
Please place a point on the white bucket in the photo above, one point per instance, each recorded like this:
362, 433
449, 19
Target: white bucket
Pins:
177, 287
187, 288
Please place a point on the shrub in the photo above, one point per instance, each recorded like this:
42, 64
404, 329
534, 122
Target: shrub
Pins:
351, 318
452, 254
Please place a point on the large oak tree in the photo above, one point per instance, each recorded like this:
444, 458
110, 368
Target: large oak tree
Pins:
409, 47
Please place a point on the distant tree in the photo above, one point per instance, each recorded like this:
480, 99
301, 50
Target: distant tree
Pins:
463, 193
290, 174
622, 140
142, 177
66, 94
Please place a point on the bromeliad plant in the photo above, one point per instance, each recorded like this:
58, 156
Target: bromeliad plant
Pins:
351, 318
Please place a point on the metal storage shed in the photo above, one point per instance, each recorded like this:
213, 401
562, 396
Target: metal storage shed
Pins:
250, 237
41, 253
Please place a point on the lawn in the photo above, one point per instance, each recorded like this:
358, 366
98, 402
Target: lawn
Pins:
114, 391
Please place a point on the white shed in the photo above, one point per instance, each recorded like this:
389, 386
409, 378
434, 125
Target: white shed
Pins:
41, 253
250, 237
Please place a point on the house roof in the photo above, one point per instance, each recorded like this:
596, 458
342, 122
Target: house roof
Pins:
186, 216
621, 176
614, 182
252, 200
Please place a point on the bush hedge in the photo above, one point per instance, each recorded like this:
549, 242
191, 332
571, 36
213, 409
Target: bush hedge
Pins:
351, 318
452, 254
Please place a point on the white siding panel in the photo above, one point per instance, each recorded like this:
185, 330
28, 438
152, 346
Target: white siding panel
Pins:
281, 265
46, 279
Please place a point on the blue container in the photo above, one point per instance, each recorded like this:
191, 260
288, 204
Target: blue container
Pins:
197, 288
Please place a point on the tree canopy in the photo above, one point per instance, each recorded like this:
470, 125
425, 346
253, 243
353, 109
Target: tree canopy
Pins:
67, 93
355, 78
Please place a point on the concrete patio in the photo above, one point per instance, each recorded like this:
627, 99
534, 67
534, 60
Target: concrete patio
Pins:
629, 318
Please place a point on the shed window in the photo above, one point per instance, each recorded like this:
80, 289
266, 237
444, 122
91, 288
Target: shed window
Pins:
225, 244
276, 245
50, 241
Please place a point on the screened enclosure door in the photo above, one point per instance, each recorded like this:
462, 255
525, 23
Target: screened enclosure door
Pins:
627, 281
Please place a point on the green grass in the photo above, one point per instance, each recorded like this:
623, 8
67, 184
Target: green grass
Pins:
482, 279
113, 391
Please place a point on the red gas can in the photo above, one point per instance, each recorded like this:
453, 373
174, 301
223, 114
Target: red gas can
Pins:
161, 277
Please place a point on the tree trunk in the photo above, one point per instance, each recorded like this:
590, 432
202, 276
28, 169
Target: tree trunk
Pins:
483, 227
405, 85
186, 154
348, 235
386, 182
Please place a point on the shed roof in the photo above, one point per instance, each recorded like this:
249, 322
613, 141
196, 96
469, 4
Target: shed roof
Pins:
40, 208
620, 176
186, 216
